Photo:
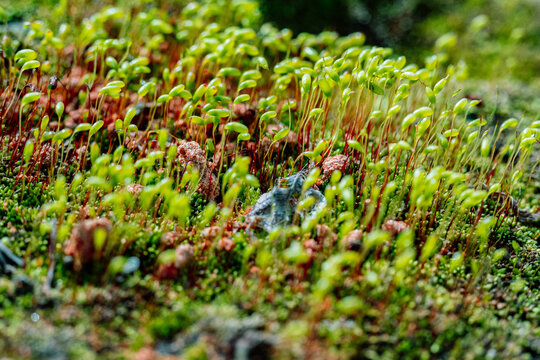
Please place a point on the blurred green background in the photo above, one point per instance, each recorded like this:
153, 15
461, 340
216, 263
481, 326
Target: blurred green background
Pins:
497, 40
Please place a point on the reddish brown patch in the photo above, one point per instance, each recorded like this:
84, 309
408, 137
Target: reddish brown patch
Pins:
226, 244
334, 163
395, 226
81, 243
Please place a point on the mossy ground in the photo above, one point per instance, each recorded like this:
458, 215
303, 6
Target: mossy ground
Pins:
459, 278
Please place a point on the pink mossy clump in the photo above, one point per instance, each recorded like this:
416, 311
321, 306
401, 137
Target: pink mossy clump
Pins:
334, 163
395, 226
311, 247
169, 239
245, 113
291, 138
325, 232
190, 152
183, 256
266, 143
134, 189
81, 244
210, 232
353, 240
226, 243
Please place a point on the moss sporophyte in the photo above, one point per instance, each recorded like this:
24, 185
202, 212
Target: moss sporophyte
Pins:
186, 180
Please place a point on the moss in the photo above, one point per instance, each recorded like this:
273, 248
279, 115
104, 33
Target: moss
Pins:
457, 278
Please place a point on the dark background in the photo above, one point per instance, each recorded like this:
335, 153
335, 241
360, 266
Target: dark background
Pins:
384, 22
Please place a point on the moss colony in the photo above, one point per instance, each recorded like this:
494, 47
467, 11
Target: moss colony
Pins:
180, 180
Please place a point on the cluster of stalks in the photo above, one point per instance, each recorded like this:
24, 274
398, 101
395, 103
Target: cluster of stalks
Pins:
114, 109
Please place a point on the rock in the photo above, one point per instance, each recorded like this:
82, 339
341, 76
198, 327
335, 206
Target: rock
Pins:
8, 260
132, 264
253, 345
278, 206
